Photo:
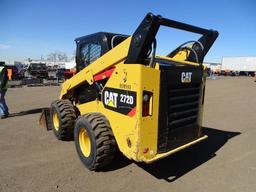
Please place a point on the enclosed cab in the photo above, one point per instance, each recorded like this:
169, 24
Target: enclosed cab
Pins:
91, 47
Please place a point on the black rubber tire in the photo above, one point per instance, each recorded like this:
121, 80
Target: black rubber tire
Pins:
67, 116
103, 144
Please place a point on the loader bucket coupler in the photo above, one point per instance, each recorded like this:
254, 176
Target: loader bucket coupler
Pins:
44, 120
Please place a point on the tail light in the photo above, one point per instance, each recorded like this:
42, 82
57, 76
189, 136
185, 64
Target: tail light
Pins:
147, 101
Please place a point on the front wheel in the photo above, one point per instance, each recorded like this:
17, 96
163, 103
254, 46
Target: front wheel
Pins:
94, 141
63, 118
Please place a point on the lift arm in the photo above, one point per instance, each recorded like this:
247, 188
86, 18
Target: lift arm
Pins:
134, 49
145, 35
114, 56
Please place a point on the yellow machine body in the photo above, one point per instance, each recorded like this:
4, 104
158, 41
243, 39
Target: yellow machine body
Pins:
136, 136
151, 106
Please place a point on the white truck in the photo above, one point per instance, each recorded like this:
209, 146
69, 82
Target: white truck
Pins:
238, 66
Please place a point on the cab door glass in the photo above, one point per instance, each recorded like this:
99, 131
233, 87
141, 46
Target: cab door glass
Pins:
89, 52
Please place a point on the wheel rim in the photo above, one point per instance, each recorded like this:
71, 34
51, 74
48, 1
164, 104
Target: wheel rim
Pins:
56, 122
84, 142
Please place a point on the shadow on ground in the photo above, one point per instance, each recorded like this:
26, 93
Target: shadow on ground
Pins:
177, 165
28, 112
119, 162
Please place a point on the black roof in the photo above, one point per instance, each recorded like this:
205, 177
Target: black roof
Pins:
99, 35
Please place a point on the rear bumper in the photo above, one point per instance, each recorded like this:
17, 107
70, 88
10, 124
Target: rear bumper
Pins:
162, 155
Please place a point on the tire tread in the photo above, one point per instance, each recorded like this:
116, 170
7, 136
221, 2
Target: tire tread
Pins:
67, 119
105, 141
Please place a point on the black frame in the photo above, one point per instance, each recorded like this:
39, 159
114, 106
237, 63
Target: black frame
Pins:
144, 36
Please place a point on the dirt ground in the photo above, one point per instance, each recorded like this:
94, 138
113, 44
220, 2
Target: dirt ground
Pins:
31, 159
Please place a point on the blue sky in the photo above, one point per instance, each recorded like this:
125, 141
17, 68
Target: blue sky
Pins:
34, 28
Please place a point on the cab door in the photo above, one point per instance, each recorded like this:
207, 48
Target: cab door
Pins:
87, 53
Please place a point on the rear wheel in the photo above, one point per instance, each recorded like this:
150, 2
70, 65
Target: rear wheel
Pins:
63, 118
94, 140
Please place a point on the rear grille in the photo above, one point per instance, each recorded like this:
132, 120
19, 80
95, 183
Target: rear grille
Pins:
183, 105
178, 109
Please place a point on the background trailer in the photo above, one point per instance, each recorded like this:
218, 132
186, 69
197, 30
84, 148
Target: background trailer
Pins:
239, 65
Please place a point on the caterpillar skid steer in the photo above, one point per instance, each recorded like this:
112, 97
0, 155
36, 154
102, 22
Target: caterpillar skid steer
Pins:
126, 98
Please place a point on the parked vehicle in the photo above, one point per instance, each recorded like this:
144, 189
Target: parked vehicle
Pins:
238, 66
37, 70
126, 98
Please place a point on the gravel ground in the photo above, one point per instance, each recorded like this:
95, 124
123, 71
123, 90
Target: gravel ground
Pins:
31, 159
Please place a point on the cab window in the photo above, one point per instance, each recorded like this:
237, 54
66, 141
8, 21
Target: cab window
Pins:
89, 52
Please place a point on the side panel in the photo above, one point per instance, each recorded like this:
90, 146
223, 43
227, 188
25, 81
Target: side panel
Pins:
136, 136
147, 135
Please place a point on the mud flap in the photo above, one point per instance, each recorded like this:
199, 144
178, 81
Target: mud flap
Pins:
44, 120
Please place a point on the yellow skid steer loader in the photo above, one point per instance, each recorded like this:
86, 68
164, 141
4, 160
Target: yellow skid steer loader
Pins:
126, 97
